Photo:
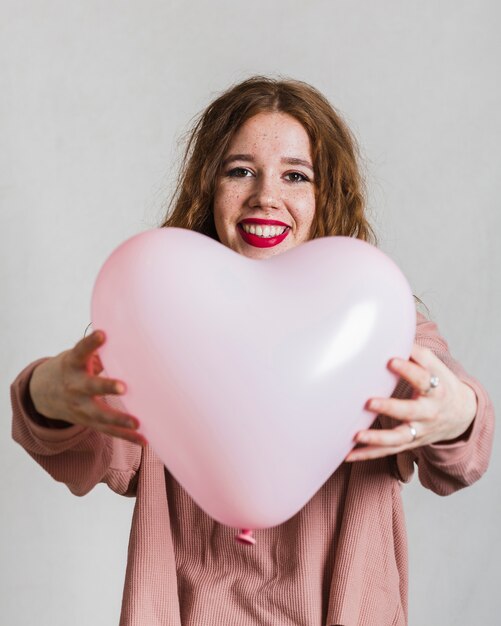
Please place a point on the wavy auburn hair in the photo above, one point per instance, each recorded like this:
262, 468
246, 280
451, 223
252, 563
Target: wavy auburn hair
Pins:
339, 187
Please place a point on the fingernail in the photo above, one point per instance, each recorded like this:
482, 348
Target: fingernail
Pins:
119, 388
362, 438
374, 404
132, 423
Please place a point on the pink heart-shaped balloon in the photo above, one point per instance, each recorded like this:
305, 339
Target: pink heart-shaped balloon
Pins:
250, 377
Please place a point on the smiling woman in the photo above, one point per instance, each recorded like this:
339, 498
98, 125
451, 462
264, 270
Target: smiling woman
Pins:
301, 130
269, 165
265, 193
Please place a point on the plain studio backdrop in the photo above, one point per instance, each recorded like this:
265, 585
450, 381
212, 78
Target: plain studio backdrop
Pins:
95, 97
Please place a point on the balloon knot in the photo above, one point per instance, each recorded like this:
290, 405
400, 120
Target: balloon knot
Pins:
245, 537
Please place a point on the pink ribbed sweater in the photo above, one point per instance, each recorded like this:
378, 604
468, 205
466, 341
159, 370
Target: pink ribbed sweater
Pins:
341, 560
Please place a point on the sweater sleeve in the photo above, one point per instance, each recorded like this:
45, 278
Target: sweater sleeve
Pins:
75, 455
447, 467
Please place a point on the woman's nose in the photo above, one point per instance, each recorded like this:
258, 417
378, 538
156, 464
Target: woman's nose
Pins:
266, 193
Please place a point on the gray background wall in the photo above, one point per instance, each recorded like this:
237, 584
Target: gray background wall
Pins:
94, 97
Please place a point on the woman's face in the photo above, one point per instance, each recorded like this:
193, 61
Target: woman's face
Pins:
265, 194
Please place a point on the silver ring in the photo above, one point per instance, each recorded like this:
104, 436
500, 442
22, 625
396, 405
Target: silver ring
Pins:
434, 382
413, 432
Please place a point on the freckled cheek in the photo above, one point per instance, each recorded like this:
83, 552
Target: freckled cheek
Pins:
303, 197
228, 198
302, 208
225, 217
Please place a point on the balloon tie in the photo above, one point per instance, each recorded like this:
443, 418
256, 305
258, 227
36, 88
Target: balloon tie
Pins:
245, 537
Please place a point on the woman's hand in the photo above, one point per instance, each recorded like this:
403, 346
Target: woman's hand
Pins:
434, 414
66, 387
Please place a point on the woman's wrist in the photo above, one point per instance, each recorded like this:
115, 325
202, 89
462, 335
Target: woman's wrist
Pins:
470, 407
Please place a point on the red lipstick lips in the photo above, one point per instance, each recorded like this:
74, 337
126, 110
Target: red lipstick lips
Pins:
262, 242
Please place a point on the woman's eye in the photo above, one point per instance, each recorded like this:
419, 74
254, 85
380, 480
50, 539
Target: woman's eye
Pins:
296, 177
239, 172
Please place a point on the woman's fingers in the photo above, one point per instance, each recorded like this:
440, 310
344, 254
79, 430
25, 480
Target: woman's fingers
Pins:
95, 366
126, 434
89, 386
380, 443
96, 386
121, 432
427, 359
401, 435
83, 350
435, 413
66, 387
423, 406
403, 410
100, 416
413, 373
416, 414
369, 453
100, 412
419, 371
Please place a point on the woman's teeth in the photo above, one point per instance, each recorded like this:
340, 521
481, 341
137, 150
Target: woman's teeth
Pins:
264, 231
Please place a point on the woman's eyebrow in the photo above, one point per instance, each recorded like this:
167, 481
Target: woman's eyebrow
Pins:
249, 158
297, 161
238, 157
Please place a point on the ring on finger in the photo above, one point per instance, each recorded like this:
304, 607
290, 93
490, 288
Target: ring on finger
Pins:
413, 432
433, 384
